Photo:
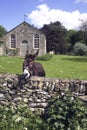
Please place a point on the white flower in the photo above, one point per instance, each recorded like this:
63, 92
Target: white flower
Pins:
62, 93
72, 98
25, 128
18, 119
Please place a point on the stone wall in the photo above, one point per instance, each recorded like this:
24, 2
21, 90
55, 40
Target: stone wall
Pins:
37, 91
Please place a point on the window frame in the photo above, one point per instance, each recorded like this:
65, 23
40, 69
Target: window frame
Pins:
13, 41
25, 42
36, 41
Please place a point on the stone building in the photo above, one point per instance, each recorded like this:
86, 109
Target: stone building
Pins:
2, 47
25, 37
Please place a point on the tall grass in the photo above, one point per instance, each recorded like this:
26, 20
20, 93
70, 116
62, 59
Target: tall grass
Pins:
60, 66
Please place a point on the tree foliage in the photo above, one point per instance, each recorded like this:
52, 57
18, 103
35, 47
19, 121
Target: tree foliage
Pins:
55, 36
2, 31
61, 40
83, 28
80, 49
73, 36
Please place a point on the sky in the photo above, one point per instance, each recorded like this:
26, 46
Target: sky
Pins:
70, 13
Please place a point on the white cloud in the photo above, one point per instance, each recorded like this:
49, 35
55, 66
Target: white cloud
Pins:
44, 15
78, 1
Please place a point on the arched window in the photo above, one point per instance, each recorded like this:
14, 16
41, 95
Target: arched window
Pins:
24, 42
36, 41
13, 41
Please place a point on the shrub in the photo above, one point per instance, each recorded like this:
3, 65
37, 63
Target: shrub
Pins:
80, 49
62, 112
65, 112
45, 57
11, 52
19, 118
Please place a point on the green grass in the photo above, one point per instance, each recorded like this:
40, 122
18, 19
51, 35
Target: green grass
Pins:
60, 66
10, 65
63, 66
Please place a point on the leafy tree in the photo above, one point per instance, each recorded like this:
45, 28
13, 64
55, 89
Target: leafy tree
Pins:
66, 112
55, 36
2, 31
73, 36
80, 49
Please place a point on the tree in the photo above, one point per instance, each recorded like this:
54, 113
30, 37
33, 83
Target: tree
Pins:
55, 36
80, 49
83, 28
73, 36
2, 31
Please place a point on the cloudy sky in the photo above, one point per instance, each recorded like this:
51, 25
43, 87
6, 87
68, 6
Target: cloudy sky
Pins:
39, 12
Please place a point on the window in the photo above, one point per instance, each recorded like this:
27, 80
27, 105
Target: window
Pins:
36, 41
24, 42
13, 41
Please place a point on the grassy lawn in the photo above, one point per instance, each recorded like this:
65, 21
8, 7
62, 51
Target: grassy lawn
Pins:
60, 66
10, 65
63, 66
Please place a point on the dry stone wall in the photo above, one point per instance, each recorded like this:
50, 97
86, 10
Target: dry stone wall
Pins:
36, 91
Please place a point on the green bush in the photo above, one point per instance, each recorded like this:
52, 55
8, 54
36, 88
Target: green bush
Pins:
19, 118
65, 112
62, 112
45, 57
80, 49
